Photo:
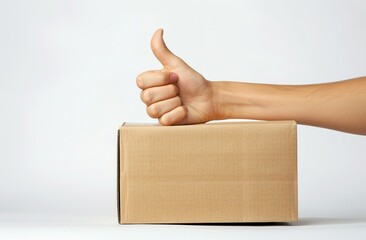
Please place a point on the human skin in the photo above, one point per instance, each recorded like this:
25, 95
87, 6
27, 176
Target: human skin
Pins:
177, 94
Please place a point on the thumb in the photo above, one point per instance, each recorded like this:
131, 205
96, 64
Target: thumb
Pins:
161, 51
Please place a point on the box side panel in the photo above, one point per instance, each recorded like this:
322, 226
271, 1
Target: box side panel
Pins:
119, 159
221, 173
124, 185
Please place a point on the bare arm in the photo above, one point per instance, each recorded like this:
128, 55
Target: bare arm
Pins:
337, 105
177, 94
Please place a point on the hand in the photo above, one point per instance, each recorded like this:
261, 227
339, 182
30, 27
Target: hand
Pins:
177, 94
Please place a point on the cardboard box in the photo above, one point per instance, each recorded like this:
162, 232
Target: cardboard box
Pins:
215, 172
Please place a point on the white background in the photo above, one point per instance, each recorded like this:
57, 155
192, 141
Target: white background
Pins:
67, 82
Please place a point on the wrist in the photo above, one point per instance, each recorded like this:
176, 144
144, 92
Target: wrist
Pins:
218, 100
231, 100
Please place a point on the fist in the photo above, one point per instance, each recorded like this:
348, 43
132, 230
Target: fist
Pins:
176, 94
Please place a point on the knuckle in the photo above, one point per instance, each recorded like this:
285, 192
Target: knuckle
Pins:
142, 96
146, 96
140, 81
153, 111
165, 120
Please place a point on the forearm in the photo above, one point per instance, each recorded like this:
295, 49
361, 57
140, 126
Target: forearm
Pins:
339, 105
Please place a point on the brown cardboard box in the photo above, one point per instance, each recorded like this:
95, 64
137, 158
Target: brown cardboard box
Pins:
215, 172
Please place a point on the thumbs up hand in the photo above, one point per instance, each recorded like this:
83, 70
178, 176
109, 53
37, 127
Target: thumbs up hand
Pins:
177, 94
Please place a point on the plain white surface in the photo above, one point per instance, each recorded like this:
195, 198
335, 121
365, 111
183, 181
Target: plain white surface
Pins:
67, 81
306, 228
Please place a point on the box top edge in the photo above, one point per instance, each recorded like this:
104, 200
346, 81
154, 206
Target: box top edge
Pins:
292, 122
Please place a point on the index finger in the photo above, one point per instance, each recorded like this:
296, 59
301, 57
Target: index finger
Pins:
155, 78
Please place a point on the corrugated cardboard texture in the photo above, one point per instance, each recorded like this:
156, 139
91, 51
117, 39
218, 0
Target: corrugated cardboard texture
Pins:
218, 172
